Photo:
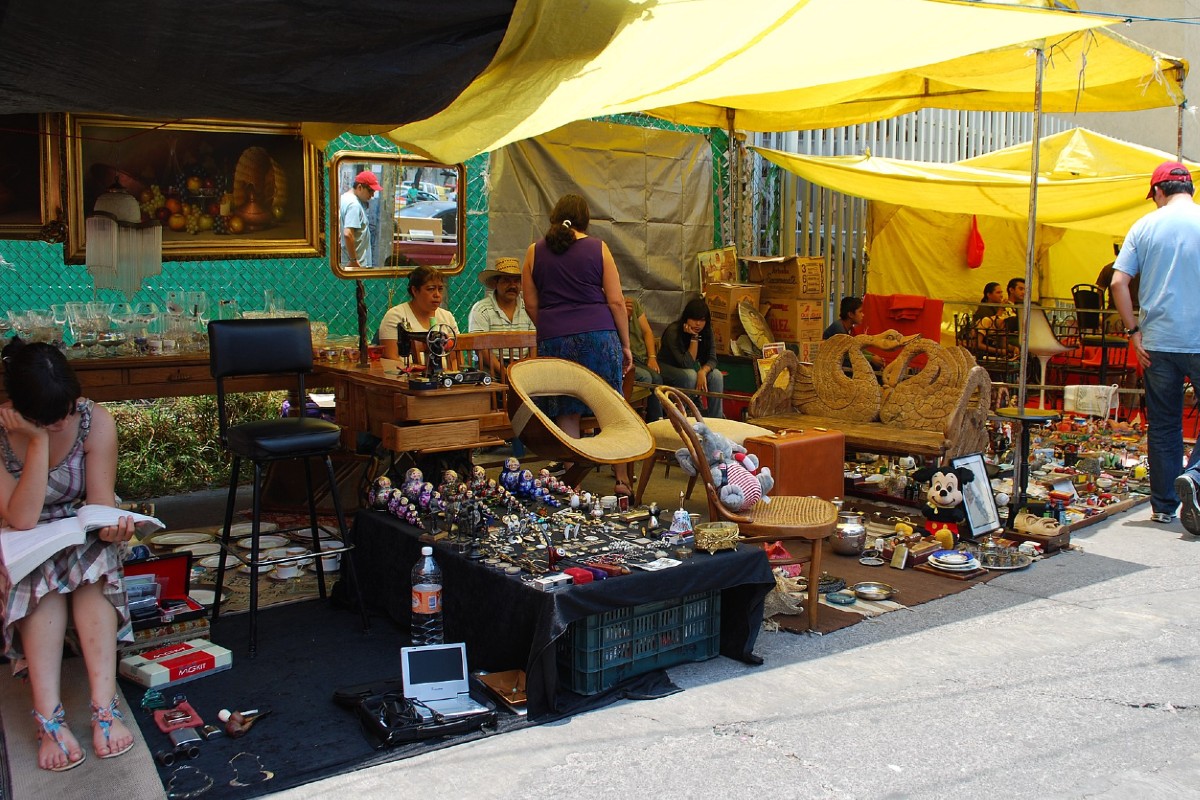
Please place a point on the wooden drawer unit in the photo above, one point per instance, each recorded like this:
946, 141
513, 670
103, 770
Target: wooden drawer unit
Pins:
447, 405
432, 436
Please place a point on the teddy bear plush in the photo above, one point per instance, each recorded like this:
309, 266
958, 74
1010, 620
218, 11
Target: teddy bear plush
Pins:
943, 508
740, 484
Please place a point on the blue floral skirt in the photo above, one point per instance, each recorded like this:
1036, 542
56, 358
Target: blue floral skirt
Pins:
599, 351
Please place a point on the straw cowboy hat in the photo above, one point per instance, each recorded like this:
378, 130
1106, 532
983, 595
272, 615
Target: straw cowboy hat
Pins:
504, 266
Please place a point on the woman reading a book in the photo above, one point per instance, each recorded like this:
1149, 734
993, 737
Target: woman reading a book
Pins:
59, 448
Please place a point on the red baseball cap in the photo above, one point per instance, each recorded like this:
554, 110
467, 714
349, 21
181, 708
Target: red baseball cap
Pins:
1168, 171
368, 178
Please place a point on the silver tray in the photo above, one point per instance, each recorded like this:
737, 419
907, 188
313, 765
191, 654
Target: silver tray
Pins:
873, 590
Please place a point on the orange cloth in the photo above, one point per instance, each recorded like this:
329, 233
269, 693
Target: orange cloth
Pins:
906, 307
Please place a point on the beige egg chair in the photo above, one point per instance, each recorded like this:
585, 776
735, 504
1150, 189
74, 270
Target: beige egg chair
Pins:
622, 435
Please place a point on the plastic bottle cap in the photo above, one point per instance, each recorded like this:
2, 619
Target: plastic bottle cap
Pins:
426, 551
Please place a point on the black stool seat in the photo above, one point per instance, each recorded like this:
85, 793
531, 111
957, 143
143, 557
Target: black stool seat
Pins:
287, 437
273, 347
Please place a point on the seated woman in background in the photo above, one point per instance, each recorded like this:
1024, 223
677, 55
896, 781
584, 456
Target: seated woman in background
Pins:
427, 293
58, 449
688, 358
992, 293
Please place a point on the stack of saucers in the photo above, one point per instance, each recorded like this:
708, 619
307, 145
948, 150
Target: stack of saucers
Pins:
953, 561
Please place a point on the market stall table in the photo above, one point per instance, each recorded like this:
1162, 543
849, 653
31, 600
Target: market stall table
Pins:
507, 623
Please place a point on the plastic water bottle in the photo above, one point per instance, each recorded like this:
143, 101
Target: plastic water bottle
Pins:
426, 600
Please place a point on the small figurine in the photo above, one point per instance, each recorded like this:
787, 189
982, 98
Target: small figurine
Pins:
510, 475
524, 485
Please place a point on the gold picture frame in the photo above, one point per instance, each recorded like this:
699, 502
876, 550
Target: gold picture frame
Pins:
257, 183
417, 218
30, 174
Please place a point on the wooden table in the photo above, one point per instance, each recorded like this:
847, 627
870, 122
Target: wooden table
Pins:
413, 420
146, 377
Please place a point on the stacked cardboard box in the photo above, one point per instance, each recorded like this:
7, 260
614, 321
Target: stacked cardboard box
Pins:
793, 294
722, 300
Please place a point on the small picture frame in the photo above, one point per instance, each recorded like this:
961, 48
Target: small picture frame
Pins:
978, 501
772, 349
717, 266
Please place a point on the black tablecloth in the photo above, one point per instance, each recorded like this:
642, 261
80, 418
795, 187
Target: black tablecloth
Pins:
507, 624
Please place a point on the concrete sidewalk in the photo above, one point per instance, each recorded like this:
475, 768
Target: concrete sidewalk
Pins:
1074, 678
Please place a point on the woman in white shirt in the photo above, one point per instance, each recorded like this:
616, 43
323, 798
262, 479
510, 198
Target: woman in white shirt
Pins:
427, 293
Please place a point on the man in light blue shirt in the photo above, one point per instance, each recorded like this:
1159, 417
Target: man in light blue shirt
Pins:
1163, 249
352, 221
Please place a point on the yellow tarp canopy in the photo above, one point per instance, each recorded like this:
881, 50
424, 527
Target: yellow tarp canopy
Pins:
1091, 188
561, 62
1086, 71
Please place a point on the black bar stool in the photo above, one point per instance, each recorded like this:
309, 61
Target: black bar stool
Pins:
273, 347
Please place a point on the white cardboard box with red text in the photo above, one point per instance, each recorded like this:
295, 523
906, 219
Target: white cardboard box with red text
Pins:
176, 663
788, 277
794, 320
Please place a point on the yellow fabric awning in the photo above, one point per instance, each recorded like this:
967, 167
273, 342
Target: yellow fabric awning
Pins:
561, 62
1088, 182
1087, 71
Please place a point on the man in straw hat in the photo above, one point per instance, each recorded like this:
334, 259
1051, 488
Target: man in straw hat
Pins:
502, 308
1163, 249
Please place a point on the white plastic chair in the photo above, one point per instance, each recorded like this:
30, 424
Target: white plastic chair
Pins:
1044, 345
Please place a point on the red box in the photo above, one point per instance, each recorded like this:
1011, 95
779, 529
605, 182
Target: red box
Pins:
173, 572
803, 463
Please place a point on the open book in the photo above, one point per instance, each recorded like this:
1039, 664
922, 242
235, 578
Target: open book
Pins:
22, 551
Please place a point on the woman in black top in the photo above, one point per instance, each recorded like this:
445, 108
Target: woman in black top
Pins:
688, 357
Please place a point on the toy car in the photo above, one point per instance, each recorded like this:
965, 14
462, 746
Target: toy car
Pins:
465, 377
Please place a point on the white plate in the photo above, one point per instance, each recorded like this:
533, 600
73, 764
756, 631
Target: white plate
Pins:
273, 575
199, 549
247, 528
245, 569
968, 567
179, 537
212, 562
264, 542
205, 597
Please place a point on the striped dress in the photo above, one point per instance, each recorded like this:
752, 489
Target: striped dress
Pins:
92, 562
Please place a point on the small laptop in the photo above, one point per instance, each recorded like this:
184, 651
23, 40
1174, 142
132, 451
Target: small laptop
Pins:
436, 682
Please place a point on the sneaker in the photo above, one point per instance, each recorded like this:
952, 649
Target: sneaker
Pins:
1189, 511
1162, 517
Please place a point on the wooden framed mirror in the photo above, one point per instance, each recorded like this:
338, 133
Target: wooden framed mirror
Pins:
413, 212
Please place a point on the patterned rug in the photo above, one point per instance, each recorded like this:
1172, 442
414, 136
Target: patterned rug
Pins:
272, 590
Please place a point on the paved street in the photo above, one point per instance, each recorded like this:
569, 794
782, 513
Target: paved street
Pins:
1075, 678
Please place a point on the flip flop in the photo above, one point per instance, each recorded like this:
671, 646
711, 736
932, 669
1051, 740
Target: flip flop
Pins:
50, 727
104, 716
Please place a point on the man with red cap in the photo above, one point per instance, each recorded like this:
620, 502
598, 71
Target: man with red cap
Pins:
1163, 249
352, 221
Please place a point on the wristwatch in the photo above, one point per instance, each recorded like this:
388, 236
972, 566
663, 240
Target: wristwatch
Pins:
1133, 330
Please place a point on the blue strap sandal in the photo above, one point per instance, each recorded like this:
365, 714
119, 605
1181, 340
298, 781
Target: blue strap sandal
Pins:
50, 727
104, 716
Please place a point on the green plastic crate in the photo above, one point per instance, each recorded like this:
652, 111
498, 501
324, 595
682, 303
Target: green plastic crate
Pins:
599, 651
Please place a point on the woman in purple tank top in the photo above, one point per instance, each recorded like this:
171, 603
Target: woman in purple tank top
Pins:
573, 295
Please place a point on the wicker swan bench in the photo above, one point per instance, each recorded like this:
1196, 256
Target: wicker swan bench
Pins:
938, 411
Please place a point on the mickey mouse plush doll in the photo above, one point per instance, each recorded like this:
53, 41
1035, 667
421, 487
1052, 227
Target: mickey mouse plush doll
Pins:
943, 507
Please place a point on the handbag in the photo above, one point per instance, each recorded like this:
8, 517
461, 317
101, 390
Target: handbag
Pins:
1095, 401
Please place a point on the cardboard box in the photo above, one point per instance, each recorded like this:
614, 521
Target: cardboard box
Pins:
177, 663
788, 277
722, 300
794, 320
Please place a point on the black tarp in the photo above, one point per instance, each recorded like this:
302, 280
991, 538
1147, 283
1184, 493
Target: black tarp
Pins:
384, 62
